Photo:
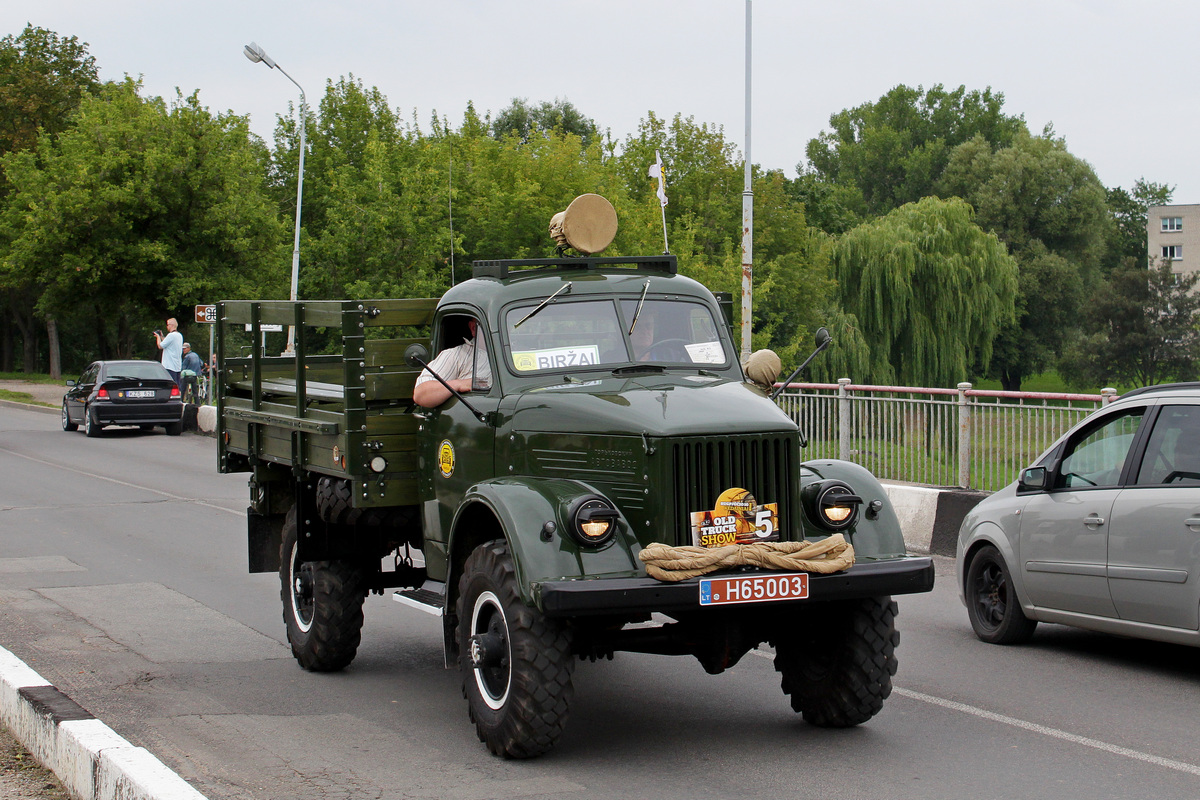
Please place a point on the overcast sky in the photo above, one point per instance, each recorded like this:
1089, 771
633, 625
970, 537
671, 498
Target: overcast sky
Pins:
1113, 76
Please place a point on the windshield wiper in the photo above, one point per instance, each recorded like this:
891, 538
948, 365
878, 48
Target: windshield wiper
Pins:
638, 368
638, 312
547, 300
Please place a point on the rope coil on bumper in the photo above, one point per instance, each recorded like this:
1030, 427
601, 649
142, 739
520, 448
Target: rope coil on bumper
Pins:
667, 563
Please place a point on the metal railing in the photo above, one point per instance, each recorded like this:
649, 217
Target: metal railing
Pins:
963, 437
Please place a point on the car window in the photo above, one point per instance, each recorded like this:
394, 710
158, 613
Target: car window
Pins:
672, 331
1173, 450
139, 371
564, 335
1097, 456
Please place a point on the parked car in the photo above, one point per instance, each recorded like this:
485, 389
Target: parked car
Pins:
1102, 532
138, 393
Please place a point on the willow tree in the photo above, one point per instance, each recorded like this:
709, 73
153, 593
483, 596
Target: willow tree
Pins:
930, 290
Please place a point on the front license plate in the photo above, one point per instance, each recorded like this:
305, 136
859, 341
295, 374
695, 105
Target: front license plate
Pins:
753, 589
139, 393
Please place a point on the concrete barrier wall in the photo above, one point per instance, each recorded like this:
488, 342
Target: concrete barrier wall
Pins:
930, 517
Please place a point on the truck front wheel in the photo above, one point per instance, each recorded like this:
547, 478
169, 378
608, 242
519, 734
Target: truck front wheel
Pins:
322, 605
516, 664
837, 665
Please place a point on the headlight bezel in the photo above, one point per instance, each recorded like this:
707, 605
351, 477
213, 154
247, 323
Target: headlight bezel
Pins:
587, 513
830, 499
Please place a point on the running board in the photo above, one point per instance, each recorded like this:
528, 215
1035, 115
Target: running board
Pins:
430, 598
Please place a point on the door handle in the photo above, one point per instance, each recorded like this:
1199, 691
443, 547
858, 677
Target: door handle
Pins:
1093, 521
1193, 523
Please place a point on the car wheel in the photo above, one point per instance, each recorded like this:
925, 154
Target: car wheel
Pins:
90, 426
992, 602
322, 605
66, 419
516, 664
173, 428
837, 665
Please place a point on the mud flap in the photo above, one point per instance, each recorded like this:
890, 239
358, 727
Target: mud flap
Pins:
264, 535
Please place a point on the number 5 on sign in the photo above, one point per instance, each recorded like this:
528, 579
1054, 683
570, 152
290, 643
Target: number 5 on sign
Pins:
764, 521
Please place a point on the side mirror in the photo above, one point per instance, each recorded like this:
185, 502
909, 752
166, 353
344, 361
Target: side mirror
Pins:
70, 383
416, 355
822, 337
1033, 479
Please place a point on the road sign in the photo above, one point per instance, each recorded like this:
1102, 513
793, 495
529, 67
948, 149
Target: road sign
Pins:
266, 327
206, 313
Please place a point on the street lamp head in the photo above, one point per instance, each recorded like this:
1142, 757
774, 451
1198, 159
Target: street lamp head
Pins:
256, 54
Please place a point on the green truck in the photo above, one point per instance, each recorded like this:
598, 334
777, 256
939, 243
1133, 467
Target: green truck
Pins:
607, 411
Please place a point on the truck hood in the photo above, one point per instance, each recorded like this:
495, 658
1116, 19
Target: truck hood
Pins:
656, 405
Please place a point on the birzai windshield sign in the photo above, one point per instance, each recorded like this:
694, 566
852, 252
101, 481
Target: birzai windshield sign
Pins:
736, 519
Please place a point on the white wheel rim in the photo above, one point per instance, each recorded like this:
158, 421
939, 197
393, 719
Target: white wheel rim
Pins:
293, 579
488, 602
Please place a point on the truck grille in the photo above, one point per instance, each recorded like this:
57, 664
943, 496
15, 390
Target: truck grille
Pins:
703, 467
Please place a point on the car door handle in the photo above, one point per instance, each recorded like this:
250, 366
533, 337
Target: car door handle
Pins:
1093, 521
1193, 523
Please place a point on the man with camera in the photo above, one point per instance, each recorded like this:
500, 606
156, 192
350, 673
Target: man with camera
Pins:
172, 349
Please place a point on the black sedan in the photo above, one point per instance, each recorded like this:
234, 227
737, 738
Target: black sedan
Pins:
138, 393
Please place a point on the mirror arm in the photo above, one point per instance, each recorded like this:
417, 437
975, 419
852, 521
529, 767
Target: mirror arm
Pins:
800, 368
479, 415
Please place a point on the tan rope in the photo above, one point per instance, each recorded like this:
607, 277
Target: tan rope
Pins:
667, 563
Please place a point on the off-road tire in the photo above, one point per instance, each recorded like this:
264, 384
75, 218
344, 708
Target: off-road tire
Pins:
395, 524
322, 605
67, 425
91, 428
837, 665
520, 706
992, 603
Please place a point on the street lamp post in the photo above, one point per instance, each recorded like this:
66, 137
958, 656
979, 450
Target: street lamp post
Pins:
258, 55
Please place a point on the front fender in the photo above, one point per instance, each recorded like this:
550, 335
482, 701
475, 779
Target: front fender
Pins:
524, 506
881, 537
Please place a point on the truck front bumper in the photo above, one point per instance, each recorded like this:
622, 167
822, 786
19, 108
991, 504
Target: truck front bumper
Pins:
572, 598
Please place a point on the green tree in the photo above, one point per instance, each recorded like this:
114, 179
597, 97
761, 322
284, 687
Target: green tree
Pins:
1127, 235
895, 149
1051, 211
929, 289
522, 120
1144, 330
43, 78
139, 211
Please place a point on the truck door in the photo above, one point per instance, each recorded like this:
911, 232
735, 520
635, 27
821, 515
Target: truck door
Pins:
456, 449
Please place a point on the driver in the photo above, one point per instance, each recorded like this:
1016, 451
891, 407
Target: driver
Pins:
456, 365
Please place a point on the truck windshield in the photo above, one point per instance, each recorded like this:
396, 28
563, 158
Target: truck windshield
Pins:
590, 333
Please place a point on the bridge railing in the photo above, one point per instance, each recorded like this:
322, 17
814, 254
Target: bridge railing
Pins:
966, 437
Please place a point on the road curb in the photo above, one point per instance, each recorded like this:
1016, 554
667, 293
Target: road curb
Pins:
930, 517
19, 404
91, 759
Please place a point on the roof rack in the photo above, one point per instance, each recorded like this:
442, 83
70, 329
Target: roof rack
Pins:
504, 268
1161, 387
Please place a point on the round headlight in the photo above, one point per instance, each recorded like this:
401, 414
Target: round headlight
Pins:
833, 505
594, 522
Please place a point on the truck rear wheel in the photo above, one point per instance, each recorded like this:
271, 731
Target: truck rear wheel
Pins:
322, 605
838, 665
516, 664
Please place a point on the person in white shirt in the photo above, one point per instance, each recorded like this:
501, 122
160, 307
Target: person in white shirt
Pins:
172, 349
463, 367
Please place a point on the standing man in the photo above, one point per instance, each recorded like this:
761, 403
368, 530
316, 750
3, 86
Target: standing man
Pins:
192, 368
172, 349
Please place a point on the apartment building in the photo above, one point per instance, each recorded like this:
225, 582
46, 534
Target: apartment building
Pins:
1173, 232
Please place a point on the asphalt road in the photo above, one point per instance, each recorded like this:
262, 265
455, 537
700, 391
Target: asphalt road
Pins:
122, 581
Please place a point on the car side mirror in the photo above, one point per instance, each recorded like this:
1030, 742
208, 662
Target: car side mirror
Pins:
70, 383
1034, 479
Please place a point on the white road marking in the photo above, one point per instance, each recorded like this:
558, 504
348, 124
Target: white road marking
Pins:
1033, 727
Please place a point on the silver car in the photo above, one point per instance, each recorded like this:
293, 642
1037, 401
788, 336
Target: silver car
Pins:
1103, 532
